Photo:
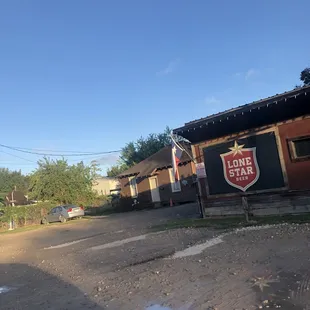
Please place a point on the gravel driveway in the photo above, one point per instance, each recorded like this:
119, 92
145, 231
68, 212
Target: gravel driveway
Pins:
117, 263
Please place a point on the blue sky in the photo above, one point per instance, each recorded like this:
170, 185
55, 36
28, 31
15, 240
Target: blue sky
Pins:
94, 75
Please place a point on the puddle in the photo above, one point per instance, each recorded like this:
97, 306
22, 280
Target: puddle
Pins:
63, 245
197, 249
291, 291
123, 241
157, 307
5, 289
118, 243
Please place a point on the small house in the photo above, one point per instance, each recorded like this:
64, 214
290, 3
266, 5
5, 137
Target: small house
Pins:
16, 198
106, 186
151, 182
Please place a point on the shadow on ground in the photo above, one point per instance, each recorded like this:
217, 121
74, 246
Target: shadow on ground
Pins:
288, 291
136, 221
26, 287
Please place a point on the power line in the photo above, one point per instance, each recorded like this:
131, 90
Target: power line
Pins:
4, 164
18, 156
51, 154
47, 150
34, 162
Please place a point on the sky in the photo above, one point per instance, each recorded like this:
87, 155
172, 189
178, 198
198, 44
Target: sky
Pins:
91, 76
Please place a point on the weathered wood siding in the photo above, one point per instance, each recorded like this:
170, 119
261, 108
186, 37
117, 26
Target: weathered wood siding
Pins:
263, 204
144, 194
187, 193
298, 173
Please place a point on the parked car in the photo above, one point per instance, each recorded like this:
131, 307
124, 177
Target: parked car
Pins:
63, 213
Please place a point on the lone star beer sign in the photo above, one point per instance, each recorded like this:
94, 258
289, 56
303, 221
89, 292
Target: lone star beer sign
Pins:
240, 166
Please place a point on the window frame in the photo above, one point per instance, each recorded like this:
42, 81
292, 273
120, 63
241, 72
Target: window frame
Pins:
135, 185
292, 149
173, 182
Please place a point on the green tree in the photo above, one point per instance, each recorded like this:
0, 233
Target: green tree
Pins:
10, 179
57, 181
135, 152
129, 156
117, 169
305, 76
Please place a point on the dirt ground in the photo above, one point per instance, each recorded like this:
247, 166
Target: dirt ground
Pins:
117, 262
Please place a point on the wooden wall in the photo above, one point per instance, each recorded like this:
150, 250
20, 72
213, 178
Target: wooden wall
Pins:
298, 173
260, 205
297, 176
144, 194
187, 193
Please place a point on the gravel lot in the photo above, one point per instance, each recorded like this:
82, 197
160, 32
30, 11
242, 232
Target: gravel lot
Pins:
116, 262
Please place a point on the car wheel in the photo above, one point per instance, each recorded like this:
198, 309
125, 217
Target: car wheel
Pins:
44, 221
63, 219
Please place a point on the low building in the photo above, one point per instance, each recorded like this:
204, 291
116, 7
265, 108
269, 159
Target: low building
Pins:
151, 182
260, 151
16, 198
106, 186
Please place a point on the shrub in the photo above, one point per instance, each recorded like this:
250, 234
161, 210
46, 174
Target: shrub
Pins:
25, 215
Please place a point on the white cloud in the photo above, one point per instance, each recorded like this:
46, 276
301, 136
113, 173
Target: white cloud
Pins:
109, 159
171, 67
250, 73
247, 75
212, 100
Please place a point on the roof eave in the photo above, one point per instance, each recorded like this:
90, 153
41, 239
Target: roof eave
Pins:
245, 108
121, 176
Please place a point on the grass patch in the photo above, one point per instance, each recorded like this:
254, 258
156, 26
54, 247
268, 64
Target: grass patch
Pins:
198, 223
231, 222
21, 229
39, 226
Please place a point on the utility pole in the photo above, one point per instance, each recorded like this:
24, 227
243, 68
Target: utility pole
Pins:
11, 224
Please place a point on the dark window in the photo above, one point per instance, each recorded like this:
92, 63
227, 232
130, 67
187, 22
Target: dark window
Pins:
300, 148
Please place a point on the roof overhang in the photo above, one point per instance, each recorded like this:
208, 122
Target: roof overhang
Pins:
274, 109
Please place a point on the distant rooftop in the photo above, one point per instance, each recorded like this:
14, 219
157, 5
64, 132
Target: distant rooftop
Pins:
161, 159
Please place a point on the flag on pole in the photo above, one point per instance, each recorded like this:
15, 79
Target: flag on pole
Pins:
176, 158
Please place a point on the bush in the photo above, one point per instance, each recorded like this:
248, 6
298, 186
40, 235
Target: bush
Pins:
101, 201
24, 215
56, 180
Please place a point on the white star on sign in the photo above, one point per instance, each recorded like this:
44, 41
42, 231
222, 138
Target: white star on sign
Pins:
237, 149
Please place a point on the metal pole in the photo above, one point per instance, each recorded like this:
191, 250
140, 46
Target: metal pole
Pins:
11, 227
200, 206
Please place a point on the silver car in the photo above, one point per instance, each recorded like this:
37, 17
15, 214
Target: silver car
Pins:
63, 213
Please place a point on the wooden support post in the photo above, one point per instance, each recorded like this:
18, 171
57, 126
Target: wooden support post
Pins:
201, 210
245, 206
